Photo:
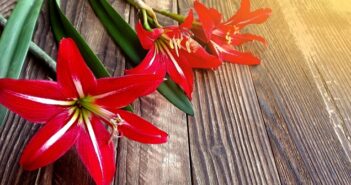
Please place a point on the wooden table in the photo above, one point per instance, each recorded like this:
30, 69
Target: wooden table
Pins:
286, 121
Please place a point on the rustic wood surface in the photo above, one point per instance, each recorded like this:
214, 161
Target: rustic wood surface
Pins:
286, 121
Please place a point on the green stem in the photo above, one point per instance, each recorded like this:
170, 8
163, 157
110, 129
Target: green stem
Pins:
146, 10
39, 53
35, 50
179, 18
145, 20
174, 16
132, 2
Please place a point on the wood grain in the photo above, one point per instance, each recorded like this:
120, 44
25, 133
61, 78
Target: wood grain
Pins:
228, 140
306, 144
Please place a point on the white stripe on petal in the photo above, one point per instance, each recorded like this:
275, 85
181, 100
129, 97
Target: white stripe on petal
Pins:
42, 100
104, 95
152, 59
93, 139
179, 69
79, 87
218, 48
54, 138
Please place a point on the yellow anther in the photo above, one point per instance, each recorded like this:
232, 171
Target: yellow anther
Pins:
171, 44
236, 30
116, 120
114, 124
179, 41
187, 45
228, 38
176, 46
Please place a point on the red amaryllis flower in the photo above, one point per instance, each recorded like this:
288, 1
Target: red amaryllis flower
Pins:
172, 51
75, 109
223, 36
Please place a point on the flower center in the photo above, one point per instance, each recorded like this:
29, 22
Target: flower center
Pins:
229, 35
174, 42
86, 105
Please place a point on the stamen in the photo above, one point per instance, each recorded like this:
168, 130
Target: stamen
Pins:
114, 122
179, 42
176, 46
236, 30
187, 44
98, 110
171, 44
228, 38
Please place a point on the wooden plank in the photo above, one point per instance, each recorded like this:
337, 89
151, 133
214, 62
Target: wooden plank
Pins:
228, 140
6, 7
157, 164
307, 146
326, 46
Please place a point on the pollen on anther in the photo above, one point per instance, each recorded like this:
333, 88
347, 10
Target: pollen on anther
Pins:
187, 44
116, 120
228, 38
236, 30
171, 44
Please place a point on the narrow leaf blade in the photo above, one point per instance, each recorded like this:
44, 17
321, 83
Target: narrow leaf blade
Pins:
15, 41
62, 27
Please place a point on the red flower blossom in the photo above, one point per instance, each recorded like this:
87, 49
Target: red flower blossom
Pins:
172, 51
75, 109
223, 36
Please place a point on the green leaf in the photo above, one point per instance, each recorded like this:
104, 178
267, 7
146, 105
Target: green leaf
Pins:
126, 37
121, 32
62, 27
15, 41
174, 94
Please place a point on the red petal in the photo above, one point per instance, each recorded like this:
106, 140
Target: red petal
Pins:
97, 152
33, 100
207, 18
242, 12
147, 38
51, 142
239, 39
119, 92
151, 64
72, 72
229, 54
257, 17
215, 15
199, 34
198, 57
188, 22
140, 130
245, 6
180, 72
